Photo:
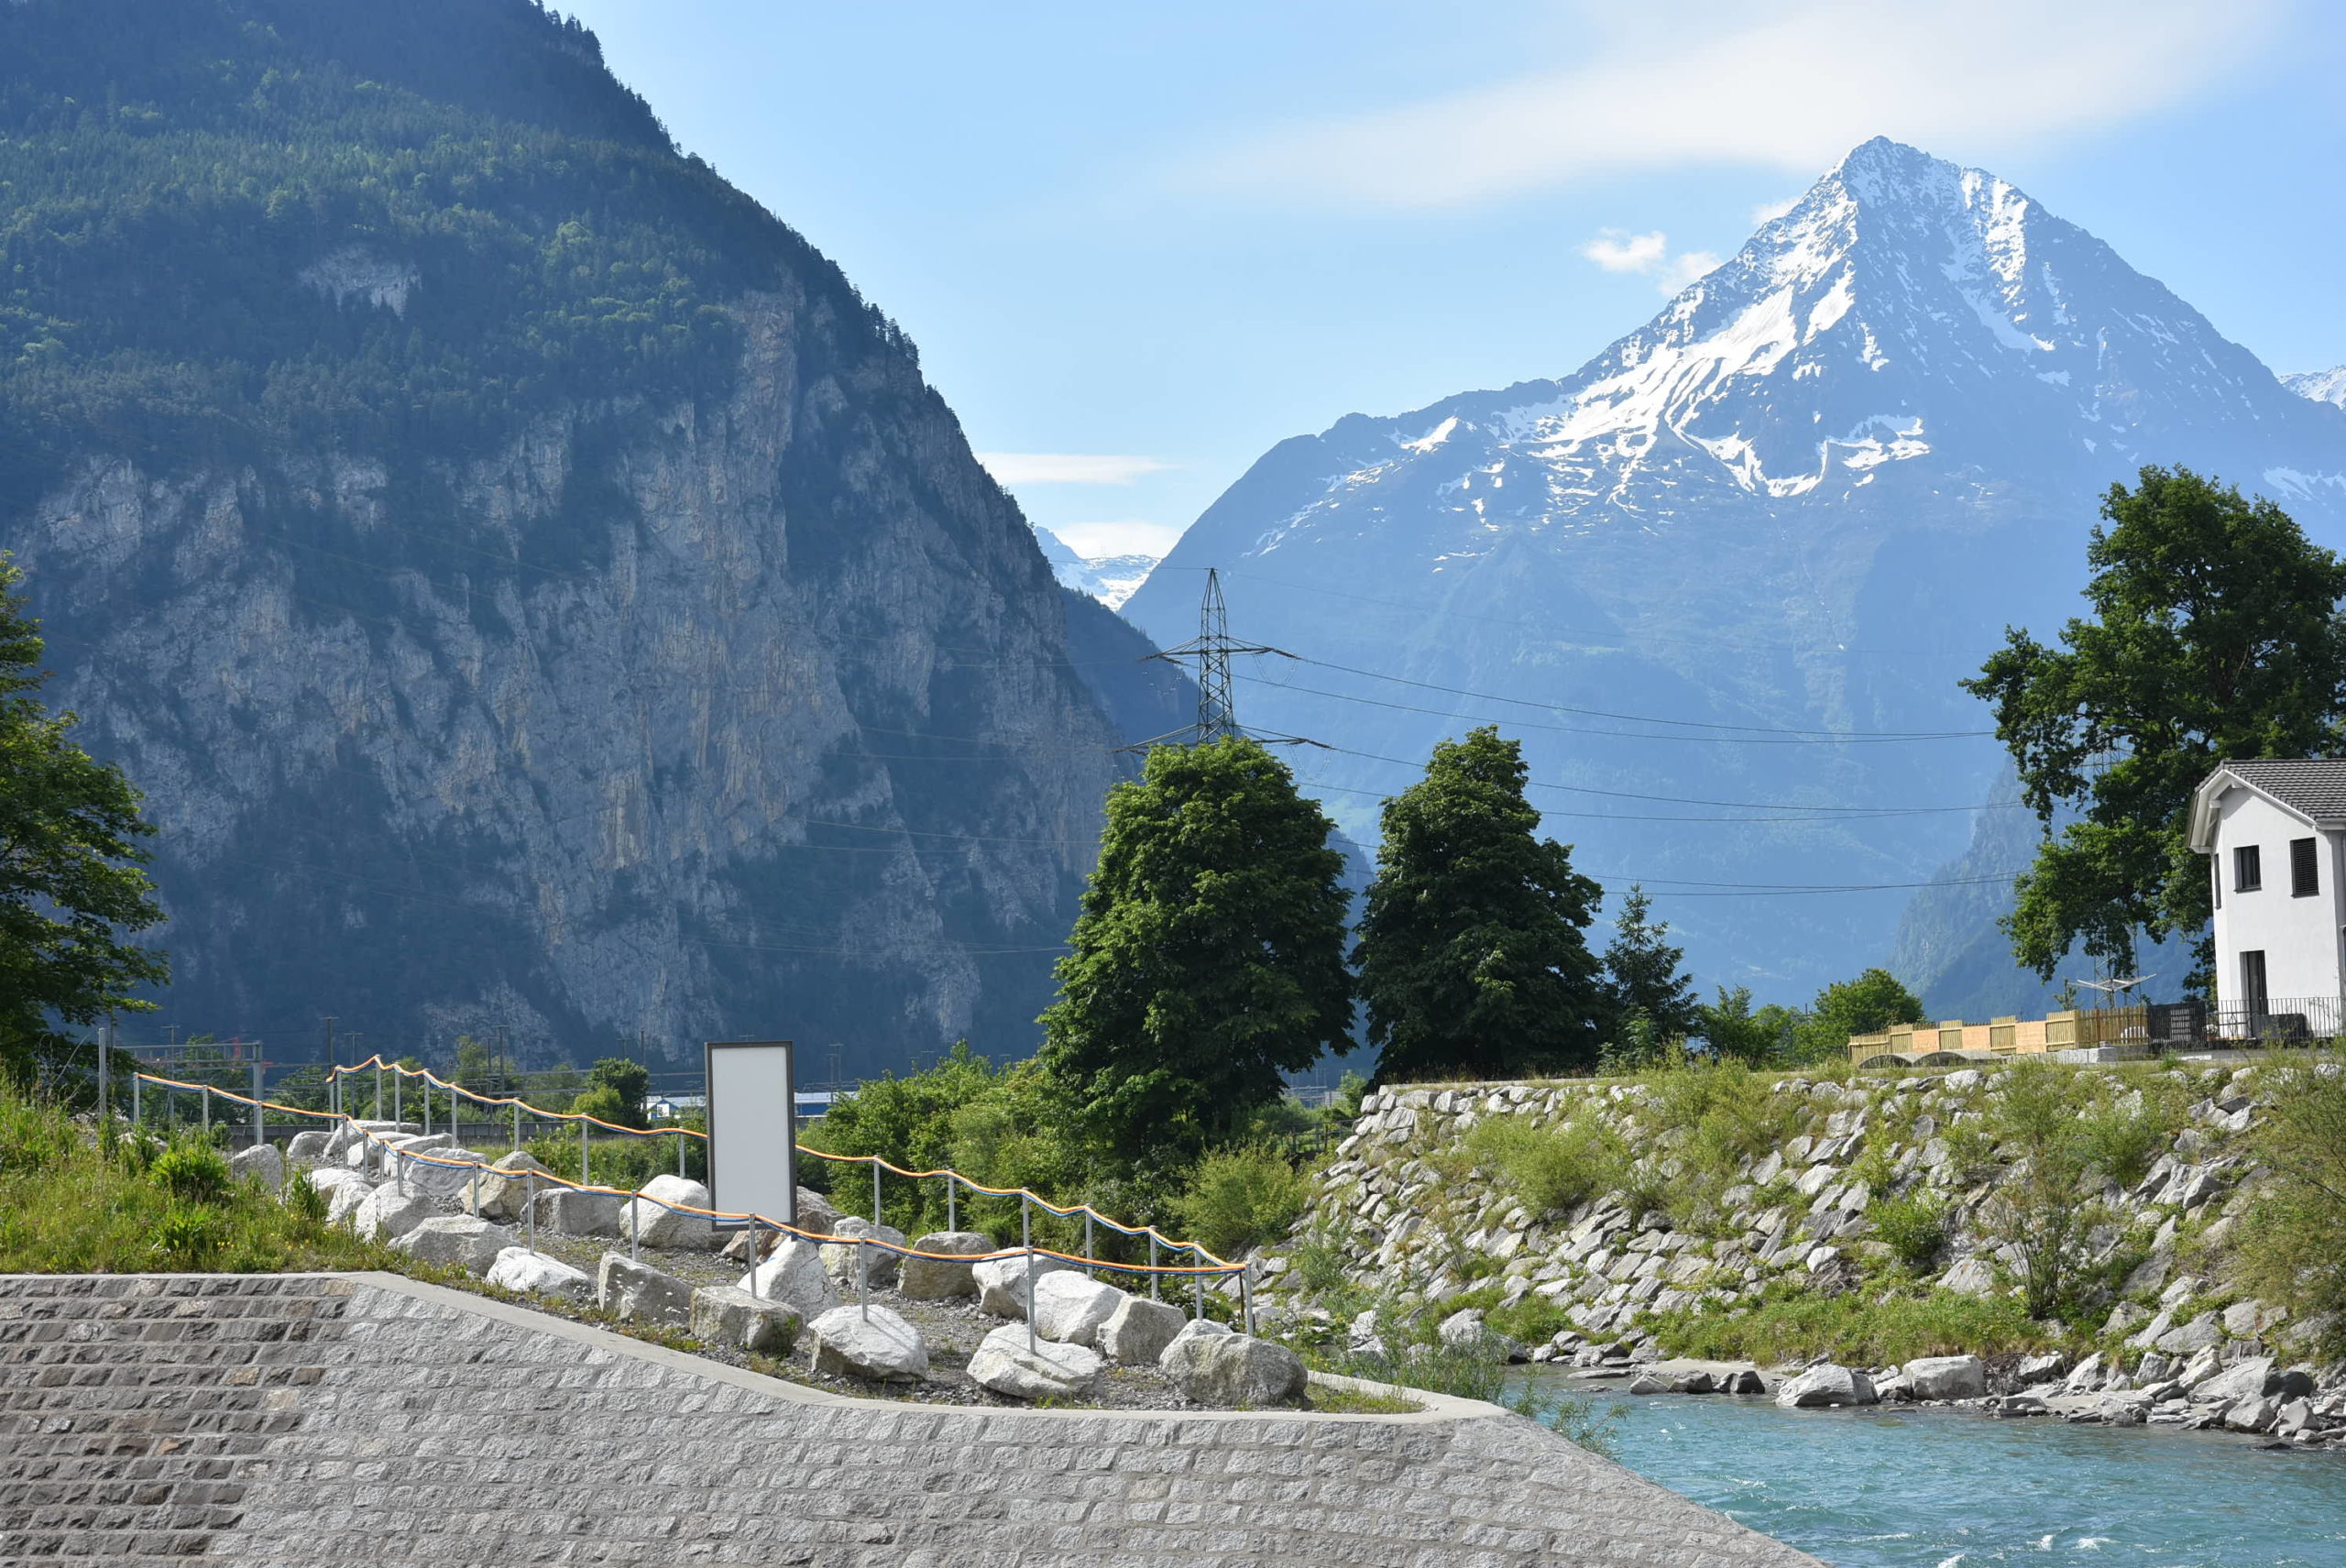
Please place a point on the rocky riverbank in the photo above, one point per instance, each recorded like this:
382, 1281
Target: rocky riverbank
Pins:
1606, 1226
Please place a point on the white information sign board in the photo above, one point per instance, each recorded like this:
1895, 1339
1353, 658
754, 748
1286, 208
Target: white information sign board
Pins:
752, 1129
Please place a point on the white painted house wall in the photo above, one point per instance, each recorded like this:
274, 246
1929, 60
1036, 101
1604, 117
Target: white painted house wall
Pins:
2300, 937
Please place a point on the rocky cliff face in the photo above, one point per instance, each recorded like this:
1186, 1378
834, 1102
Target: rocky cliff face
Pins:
1611, 1216
703, 718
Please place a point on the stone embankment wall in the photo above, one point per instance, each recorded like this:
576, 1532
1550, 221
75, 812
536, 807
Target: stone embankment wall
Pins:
1713, 1197
371, 1420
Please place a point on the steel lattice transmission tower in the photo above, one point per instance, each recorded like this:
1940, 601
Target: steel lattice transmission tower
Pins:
1212, 651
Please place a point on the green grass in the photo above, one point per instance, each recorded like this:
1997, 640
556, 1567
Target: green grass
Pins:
145, 1205
1548, 1169
1857, 1328
1323, 1400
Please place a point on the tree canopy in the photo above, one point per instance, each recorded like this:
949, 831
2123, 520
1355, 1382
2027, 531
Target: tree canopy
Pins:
70, 886
1209, 957
2215, 635
1473, 958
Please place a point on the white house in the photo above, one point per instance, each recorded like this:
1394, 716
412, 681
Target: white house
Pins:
2274, 835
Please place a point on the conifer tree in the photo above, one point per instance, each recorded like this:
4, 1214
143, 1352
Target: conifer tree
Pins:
1209, 958
1643, 968
1472, 957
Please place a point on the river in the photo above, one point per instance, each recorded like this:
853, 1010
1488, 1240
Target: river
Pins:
1908, 1489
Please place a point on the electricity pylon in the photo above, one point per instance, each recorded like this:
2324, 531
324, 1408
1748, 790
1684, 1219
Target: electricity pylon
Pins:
1213, 649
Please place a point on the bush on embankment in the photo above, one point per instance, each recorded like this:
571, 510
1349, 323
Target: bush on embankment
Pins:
73, 1203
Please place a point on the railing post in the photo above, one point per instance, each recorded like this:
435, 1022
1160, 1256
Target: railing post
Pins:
1198, 1281
529, 1206
1026, 1241
952, 1219
517, 1126
1090, 1267
138, 1106
398, 1170
398, 1093
875, 1190
864, 1277
680, 1154
1247, 1294
583, 1179
1154, 1278
260, 1127
427, 1107
207, 1113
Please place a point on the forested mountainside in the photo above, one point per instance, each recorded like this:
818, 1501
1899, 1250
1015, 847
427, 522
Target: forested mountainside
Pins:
534, 589
1723, 578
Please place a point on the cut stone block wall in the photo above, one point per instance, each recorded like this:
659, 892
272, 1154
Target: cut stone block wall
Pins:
365, 1419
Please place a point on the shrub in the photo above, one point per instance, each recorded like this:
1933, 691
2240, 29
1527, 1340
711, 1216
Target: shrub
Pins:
2293, 1243
2040, 1208
1550, 1169
1913, 1227
191, 1171
1239, 1198
2122, 1137
1533, 1321
188, 1237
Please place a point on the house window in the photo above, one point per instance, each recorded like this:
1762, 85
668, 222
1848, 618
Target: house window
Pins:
2248, 868
2305, 869
2252, 994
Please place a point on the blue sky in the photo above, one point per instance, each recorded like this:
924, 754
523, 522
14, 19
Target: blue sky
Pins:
1138, 246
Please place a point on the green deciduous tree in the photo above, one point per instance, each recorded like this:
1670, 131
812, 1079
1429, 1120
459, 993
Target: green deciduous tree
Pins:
1473, 958
1642, 968
1209, 958
1737, 1031
70, 886
615, 1090
2215, 635
1866, 1005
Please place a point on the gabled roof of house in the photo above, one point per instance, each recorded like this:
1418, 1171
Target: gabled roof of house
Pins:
2312, 787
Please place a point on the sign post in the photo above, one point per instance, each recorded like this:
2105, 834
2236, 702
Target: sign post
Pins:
752, 1129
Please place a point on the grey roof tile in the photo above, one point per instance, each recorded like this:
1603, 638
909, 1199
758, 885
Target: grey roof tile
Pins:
2314, 785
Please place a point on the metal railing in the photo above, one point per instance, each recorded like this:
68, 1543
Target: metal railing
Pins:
1206, 1266
2280, 1020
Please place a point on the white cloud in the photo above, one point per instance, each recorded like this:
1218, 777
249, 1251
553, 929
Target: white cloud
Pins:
1014, 468
1618, 251
1123, 536
1790, 84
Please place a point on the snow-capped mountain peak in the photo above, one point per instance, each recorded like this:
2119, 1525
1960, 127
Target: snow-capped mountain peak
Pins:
1111, 579
2321, 386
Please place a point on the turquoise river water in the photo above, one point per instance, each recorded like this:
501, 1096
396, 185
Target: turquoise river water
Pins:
1942, 1489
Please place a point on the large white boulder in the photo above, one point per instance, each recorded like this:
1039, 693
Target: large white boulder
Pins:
935, 1279
462, 1241
1071, 1307
1002, 1281
310, 1147
651, 1224
728, 1315
1232, 1370
1137, 1331
505, 1187
1826, 1385
2251, 1379
571, 1213
868, 1342
389, 1213
793, 1276
1049, 1371
1947, 1377
877, 1265
535, 1274
345, 1195
637, 1292
262, 1163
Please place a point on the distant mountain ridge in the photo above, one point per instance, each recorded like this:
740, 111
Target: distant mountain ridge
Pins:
536, 591
2321, 386
1745, 553
1111, 579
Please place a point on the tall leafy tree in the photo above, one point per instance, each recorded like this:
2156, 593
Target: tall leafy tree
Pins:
70, 886
1473, 958
2215, 634
1209, 957
1643, 968
1866, 1005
